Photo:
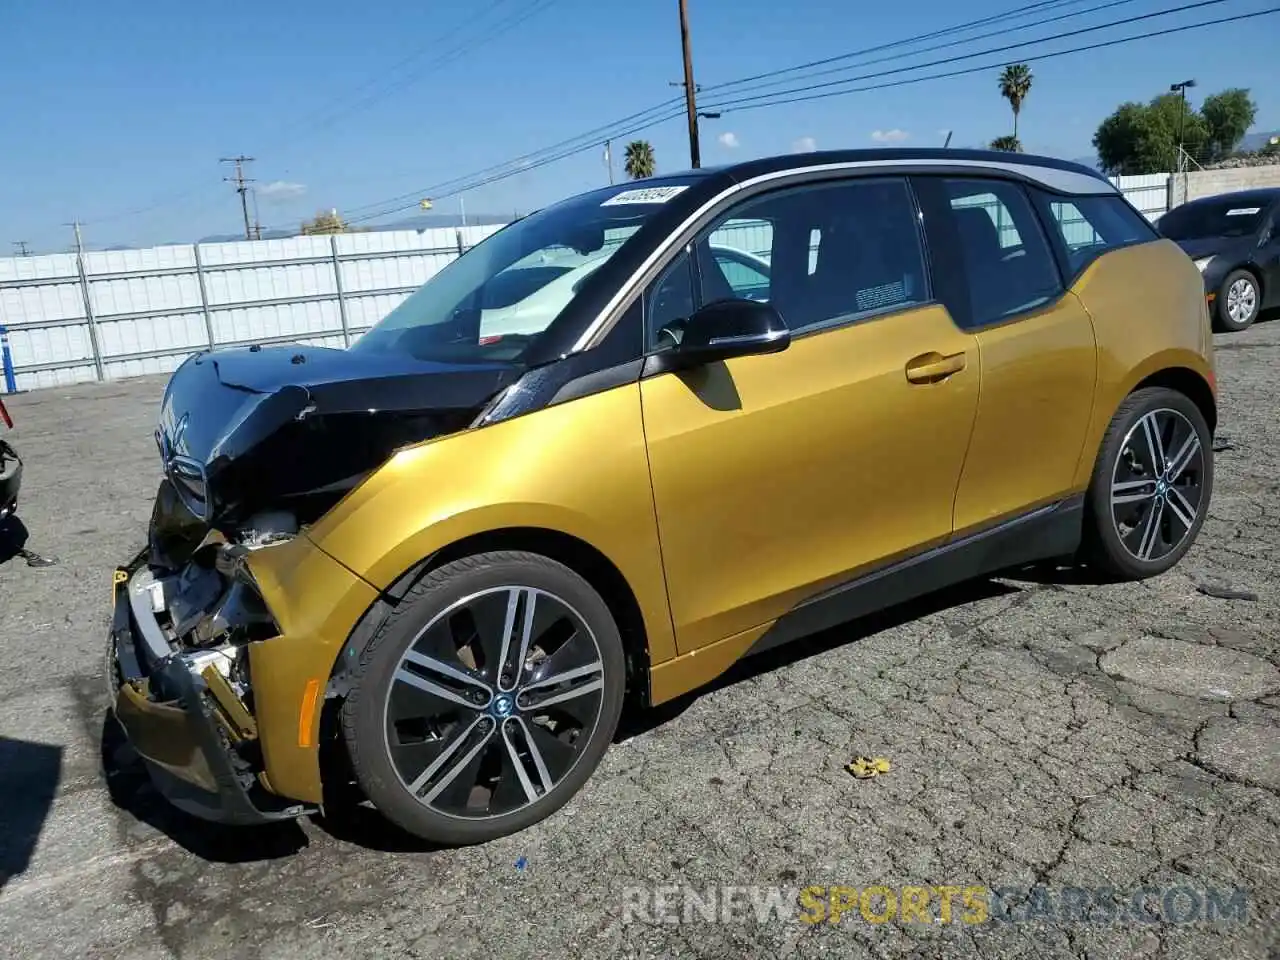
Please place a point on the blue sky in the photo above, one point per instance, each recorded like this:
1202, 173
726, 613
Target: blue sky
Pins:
119, 106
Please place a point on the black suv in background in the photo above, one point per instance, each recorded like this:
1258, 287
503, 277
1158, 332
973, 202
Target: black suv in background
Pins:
1234, 238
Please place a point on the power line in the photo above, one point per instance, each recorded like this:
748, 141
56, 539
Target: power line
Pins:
471, 184
1016, 12
930, 49
980, 53
1034, 58
495, 31
462, 184
323, 117
526, 161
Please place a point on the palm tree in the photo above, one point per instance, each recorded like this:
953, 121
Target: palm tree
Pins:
1015, 84
639, 162
1011, 144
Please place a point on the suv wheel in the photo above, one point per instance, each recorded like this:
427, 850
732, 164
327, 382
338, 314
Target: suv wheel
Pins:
1238, 301
486, 699
1151, 485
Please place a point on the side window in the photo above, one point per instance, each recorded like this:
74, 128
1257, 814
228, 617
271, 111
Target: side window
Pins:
991, 205
838, 251
1008, 263
748, 280
1087, 227
670, 300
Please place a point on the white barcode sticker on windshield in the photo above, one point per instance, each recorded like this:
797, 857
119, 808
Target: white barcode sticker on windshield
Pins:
1243, 211
644, 195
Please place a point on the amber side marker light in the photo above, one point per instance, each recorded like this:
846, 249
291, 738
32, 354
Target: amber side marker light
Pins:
307, 716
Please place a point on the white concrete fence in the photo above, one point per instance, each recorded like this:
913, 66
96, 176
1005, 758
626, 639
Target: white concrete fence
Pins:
66, 318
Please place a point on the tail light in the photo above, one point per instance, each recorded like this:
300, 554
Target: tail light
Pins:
4, 415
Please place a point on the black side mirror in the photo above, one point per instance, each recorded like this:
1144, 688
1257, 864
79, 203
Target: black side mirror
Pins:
728, 328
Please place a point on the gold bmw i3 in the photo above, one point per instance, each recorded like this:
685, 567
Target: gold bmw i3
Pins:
770, 398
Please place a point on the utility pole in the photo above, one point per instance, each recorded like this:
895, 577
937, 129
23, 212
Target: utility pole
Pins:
608, 158
240, 180
690, 102
257, 220
85, 295
22, 248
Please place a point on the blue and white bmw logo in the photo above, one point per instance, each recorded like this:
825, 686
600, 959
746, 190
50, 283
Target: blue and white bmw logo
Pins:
502, 706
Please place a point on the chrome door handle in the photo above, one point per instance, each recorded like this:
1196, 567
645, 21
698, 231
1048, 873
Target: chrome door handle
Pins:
933, 366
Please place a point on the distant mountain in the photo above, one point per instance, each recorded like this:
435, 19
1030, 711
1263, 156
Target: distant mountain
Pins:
1256, 141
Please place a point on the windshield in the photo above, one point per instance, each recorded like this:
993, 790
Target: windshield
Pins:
1215, 218
493, 302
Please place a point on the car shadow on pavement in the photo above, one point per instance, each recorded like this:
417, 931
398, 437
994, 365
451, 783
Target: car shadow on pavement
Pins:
636, 721
13, 543
29, 777
131, 791
13, 538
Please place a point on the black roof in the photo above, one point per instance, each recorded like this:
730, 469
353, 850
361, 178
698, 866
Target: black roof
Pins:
795, 161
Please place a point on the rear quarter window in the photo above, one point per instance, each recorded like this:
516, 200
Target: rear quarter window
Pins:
1084, 228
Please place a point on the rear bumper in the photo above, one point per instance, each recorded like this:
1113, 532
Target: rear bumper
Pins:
196, 752
10, 479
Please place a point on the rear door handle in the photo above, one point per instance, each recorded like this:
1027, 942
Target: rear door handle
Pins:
933, 366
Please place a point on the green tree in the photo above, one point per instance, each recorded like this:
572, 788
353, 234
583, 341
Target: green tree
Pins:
1015, 84
1227, 117
1011, 144
639, 161
326, 221
1143, 137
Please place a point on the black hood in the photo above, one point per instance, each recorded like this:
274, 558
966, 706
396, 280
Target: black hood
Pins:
295, 427
1197, 247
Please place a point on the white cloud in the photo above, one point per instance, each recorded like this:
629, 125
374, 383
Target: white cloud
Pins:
729, 139
889, 136
804, 145
281, 190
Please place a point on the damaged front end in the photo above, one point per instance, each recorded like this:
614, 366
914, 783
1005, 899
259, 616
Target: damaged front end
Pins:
227, 626
179, 675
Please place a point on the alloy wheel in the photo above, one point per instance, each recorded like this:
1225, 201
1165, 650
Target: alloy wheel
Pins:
1157, 484
493, 702
1242, 300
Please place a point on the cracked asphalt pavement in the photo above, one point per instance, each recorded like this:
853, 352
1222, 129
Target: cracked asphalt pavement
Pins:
1042, 729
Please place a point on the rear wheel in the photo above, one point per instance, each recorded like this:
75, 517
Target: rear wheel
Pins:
1238, 301
487, 698
1151, 485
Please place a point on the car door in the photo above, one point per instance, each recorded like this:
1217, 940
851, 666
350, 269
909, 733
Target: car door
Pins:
1268, 257
1036, 341
776, 476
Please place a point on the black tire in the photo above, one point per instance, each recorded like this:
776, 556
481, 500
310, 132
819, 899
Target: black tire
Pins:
436, 601
1222, 302
1111, 545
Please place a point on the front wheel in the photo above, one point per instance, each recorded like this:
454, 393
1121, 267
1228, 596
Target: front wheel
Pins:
487, 698
1151, 485
1238, 301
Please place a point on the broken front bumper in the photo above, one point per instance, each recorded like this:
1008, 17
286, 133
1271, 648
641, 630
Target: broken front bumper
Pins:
195, 738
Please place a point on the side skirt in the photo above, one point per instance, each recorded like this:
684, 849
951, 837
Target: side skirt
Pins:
1044, 533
